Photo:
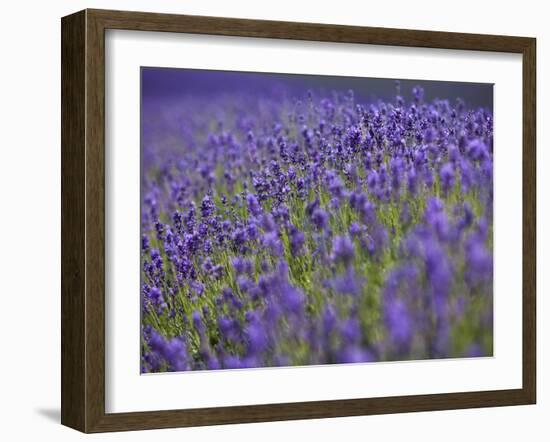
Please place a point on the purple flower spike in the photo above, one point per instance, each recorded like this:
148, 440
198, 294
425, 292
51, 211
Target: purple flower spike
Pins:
297, 240
254, 206
320, 219
343, 250
273, 243
399, 323
447, 176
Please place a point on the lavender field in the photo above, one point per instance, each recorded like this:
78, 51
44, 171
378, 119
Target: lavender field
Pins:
289, 221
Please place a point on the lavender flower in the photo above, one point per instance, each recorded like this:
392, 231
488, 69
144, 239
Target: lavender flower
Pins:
282, 226
343, 249
447, 177
320, 218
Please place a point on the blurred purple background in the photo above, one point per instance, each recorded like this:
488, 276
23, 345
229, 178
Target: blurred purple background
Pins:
168, 84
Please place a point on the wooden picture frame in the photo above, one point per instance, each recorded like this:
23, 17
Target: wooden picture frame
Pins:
83, 220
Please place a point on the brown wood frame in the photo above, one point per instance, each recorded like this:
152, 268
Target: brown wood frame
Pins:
83, 220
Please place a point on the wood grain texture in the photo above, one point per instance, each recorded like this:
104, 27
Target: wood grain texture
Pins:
83, 220
95, 221
73, 256
145, 21
529, 220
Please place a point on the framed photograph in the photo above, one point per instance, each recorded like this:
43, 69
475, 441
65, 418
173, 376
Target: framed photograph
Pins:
268, 220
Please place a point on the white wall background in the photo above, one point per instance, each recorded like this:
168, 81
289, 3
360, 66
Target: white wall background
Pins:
30, 217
